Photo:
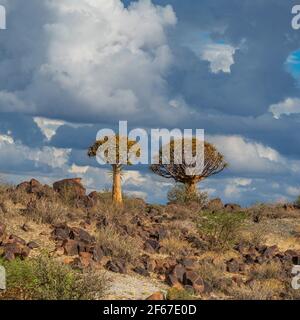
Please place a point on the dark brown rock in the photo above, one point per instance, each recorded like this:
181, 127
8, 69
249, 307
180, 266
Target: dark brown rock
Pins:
71, 247
71, 188
192, 279
233, 266
179, 271
116, 266
172, 280
141, 271
97, 253
188, 263
81, 235
32, 245
61, 232
151, 245
14, 250
270, 252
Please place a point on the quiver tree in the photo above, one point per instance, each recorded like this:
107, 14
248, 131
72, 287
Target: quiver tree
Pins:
112, 155
213, 163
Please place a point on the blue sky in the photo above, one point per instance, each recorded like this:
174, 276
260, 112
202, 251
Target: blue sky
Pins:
68, 69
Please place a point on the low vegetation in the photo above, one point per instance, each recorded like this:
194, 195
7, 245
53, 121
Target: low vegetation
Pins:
43, 278
221, 229
200, 248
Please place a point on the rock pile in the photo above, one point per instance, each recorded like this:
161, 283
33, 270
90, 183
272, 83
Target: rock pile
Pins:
12, 247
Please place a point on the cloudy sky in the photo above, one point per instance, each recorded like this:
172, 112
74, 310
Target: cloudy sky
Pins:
71, 67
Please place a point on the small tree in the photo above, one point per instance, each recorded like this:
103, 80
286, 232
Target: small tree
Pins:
117, 165
213, 163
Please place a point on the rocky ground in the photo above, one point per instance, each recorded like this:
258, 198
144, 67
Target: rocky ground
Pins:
177, 251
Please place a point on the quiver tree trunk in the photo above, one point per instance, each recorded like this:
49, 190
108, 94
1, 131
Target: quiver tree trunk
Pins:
117, 187
191, 187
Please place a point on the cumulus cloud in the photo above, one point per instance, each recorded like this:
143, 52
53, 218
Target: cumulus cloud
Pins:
220, 56
17, 157
287, 107
248, 156
99, 60
235, 187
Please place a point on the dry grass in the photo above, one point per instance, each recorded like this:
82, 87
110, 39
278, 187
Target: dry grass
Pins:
45, 211
267, 271
254, 234
174, 246
213, 275
257, 290
122, 247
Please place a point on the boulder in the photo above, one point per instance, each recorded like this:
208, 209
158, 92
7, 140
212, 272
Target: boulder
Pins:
61, 232
71, 247
98, 253
179, 271
192, 279
33, 186
81, 235
116, 266
15, 250
70, 188
151, 245
172, 280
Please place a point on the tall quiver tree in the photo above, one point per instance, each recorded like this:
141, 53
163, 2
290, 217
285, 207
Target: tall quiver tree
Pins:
118, 163
213, 163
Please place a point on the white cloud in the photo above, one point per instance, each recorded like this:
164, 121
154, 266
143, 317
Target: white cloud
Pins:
48, 126
293, 191
220, 57
288, 106
248, 156
236, 186
17, 157
101, 60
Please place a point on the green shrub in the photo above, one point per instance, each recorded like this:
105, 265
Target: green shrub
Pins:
221, 228
43, 278
297, 202
179, 194
179, 294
